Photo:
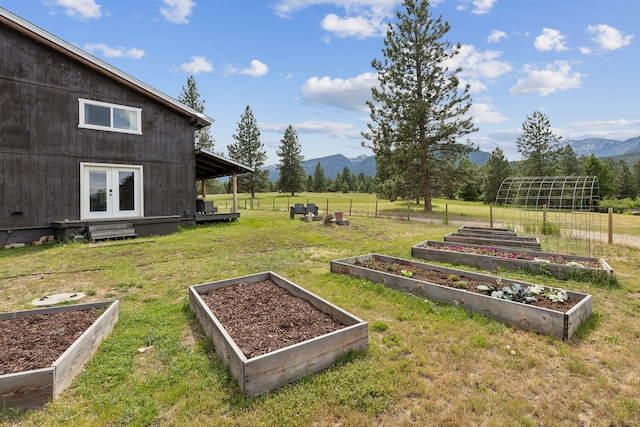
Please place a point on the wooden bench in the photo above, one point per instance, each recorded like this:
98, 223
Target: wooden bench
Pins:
297, 209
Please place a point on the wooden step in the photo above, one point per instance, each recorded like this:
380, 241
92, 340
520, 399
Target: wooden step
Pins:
115, 225
111, 231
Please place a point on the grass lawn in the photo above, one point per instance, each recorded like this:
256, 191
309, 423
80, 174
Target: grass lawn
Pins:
427, 363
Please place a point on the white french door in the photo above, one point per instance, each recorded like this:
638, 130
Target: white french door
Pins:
110, 191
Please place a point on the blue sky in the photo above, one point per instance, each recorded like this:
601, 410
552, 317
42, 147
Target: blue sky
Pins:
307, 63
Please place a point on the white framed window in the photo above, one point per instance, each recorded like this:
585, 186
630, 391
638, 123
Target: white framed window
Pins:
110, 117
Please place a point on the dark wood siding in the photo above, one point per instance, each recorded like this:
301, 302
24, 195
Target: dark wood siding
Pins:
41, 146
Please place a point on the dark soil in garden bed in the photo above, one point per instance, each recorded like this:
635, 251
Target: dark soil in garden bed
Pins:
262, 317
496, 252
36, 341
458, 281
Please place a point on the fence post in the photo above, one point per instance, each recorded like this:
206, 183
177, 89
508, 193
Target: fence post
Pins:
327, 206
350, 205
446, 214
545, 226
273, 204
375, 214
409, 211
490, 215
610, 239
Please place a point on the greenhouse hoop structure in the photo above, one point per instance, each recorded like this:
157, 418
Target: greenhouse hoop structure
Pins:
559, 210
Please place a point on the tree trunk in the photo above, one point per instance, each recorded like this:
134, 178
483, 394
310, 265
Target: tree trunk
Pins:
428, 207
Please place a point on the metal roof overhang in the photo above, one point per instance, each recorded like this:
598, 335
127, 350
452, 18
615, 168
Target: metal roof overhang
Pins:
210, 165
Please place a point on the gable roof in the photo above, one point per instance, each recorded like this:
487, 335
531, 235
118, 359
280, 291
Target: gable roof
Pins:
199, 120
211, 165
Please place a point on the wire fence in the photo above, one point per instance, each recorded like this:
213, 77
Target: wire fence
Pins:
599, 226
355, 207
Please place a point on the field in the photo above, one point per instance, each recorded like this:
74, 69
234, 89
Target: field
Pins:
427, 364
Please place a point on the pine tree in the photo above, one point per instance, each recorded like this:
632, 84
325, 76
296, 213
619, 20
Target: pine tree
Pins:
191, 98
635, 171
319, 180
418, 110
496, 170
468, 180
623, 183
249, 150
596, 167
538, 145
568, 164
290, 166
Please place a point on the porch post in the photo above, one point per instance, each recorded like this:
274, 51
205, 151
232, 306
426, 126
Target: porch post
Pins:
204, 188
234, 186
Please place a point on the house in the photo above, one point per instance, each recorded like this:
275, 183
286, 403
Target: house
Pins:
83, 144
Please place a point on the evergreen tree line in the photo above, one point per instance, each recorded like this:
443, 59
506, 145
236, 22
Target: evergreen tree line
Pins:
616, 180
419, 115
541, 151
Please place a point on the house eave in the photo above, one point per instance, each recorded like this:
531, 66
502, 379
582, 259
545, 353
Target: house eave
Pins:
198, 119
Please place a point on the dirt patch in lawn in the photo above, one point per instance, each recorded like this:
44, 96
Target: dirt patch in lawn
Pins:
36, 341
458, 281
262, 317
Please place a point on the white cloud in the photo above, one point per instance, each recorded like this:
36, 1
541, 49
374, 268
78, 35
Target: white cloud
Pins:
550, 39
229, 70
481, 7
81, 9
604, 123
485, 113
177, 11
362, 18
608, 38
339, 130
585, 50
257, 69
616, 134
110, 52
358, 26
496, 36
554, 77
285, 8
478, 65
348, 94
198, 64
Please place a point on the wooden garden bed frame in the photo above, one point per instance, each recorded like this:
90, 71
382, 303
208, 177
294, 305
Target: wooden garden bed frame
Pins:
34, 388
560, 324
493, 263
503, 241
272, 370
487, 231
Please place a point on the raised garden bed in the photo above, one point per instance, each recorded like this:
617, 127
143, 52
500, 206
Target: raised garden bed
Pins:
531, 243
274, 366
33, 388
560, 322
490, 258
487, 231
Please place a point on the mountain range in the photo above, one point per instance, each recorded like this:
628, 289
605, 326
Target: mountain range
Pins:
334, 164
